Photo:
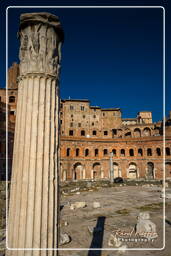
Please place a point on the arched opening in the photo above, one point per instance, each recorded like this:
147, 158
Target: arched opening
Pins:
114, 152
128, 135
82, 133
150, 170
116, 170
68, 152
11, 99
78, 171
131, 152
132, 171
168, 169
96, 152
122, 152
149, 152
105, 152
158, 151
96, 171
137, 133
146, 132
140, 152
86, 152
167, 151
77, 151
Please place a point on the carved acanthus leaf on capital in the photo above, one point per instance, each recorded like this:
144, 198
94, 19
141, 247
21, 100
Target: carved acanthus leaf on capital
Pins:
40, 48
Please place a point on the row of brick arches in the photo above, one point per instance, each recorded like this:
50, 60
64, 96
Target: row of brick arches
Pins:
79, 171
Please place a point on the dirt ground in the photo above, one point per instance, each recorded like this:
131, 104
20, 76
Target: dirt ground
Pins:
119, 208
120, 205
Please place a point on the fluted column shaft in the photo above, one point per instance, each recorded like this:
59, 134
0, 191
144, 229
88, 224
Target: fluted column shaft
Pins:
33, 211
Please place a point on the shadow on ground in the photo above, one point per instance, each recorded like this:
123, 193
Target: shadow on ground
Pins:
97, 240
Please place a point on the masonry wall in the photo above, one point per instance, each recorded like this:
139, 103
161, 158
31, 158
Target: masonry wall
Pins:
132, 158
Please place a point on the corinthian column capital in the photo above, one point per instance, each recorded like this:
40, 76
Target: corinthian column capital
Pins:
40, 36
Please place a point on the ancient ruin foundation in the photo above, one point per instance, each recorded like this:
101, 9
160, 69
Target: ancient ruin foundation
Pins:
33, 211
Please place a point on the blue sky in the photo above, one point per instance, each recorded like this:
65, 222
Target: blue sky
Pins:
113, 57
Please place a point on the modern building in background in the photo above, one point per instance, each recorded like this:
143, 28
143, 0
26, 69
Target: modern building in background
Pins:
89, 134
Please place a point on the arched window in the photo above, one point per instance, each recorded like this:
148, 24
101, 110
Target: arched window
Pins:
132, 171
11, 99
140, 152
68, 152
122, 152
149, 152
86, 152
105, 152
77, 151
167, 151
82, 133
137, 133
158, 151
147, 131
114, 152
131, 152
94, 132
150, 170
96, 152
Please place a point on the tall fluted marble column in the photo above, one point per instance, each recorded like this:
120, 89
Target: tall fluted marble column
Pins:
33, 209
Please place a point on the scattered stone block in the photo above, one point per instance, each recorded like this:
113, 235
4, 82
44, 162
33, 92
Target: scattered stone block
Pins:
96, 205
145, 225
64, 239
77, 205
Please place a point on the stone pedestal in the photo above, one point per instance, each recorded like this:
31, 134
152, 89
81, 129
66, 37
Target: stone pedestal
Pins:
33, 210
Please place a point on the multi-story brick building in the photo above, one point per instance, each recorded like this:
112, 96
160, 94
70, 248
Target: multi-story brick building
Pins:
89, 134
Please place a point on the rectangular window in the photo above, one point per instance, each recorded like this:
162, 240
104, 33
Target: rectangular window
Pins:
82, 108
71, 124
71, 107
94, 132
79, 124
105, 133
